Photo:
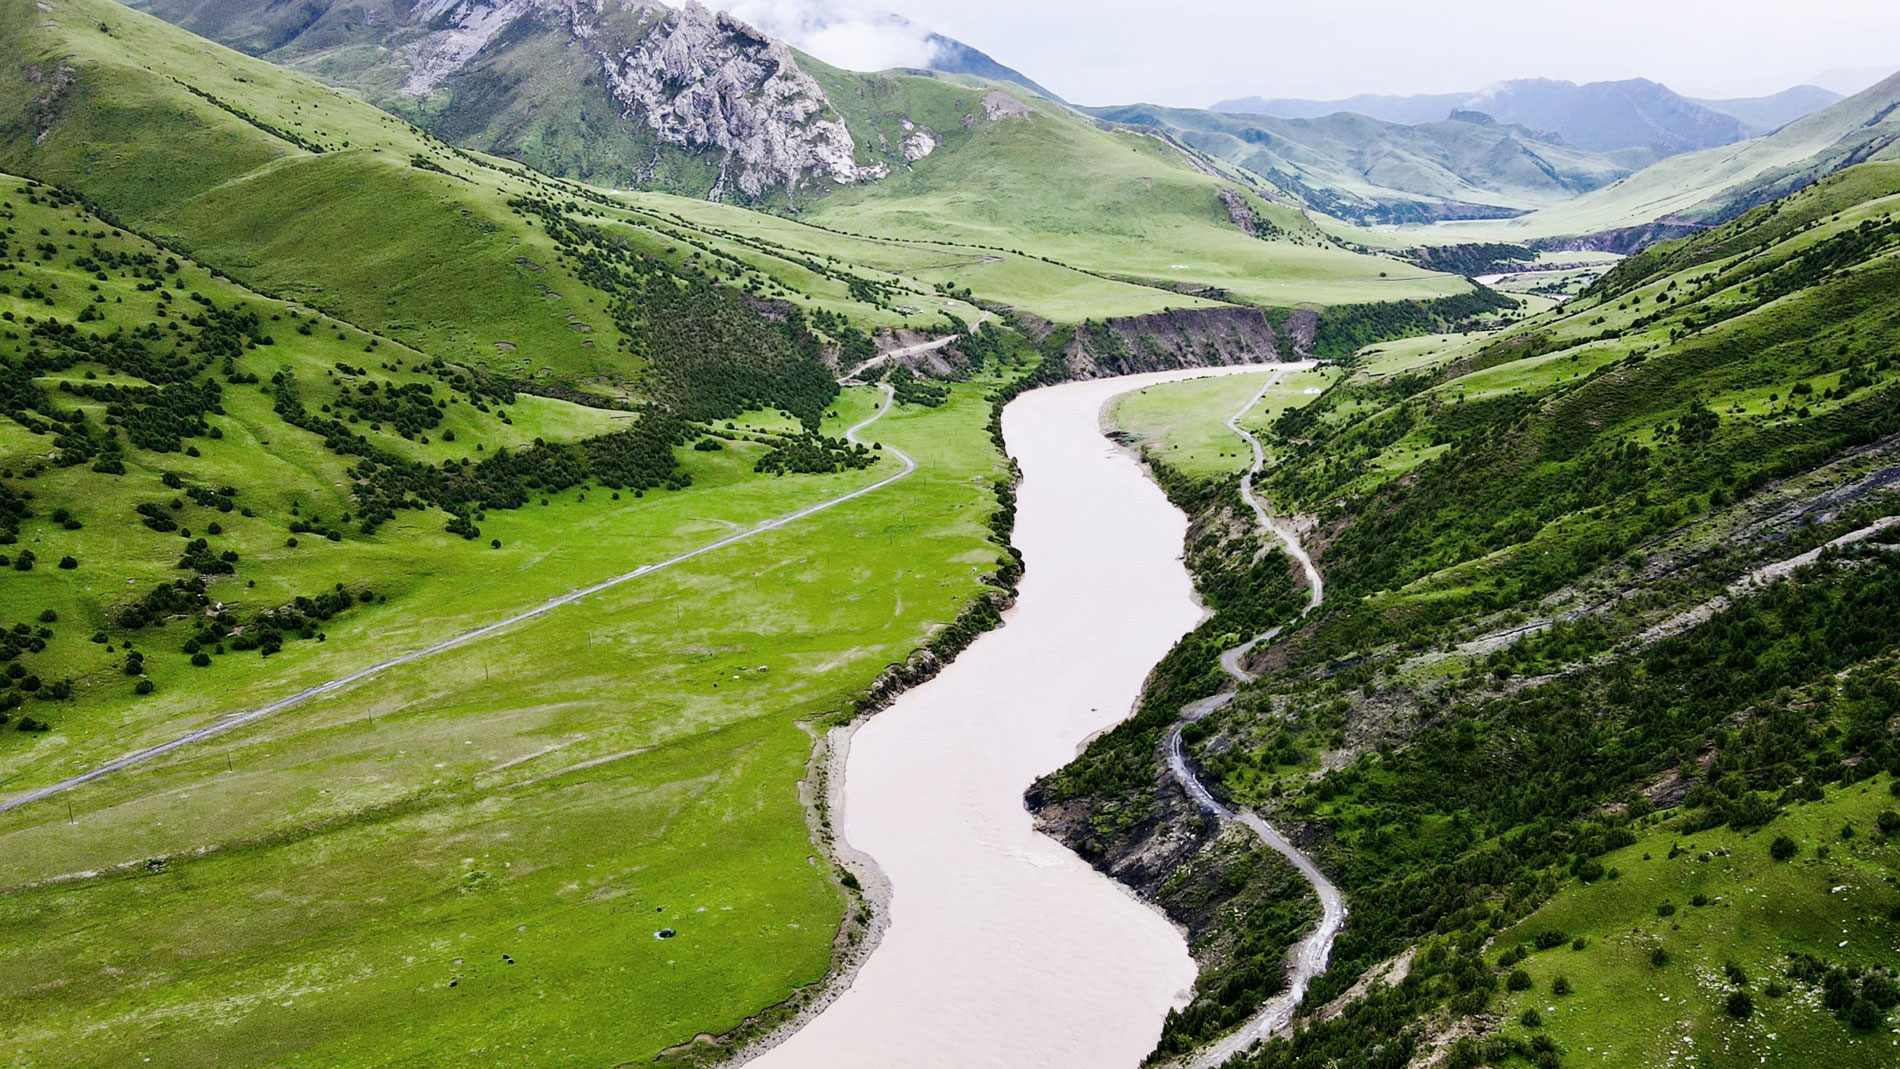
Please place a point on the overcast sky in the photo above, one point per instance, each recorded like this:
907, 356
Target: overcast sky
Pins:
1194, 52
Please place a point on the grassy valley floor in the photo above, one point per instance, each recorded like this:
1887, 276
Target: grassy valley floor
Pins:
499, 832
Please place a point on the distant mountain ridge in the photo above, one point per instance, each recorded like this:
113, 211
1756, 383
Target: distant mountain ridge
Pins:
1701, 189
1768, 113
1623, 116
1369, 171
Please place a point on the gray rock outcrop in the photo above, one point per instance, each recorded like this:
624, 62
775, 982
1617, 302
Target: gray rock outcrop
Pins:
699, 80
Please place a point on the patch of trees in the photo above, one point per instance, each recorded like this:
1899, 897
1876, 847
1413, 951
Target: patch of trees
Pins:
410, 409
1345, 329
199, 557
482, 387
18, 683
1472, 258
811, 454
639, 458
907, 388
267, 631
164, 601
13, 512
712, 354
160, 417
854, 345
1858, 996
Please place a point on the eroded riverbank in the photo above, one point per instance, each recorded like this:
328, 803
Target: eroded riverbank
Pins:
1004, 948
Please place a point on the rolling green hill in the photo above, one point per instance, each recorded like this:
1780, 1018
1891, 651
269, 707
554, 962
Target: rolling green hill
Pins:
1156, 215
1150, 211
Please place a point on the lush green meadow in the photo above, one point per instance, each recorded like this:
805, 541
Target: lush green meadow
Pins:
1709, 900
500, 830
1184, 424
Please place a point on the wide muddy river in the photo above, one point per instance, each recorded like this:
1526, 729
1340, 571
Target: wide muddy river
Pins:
1003, 948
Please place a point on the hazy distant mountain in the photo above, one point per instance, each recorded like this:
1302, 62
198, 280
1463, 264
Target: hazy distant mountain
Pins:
1606, 116
954, 57
1773, 112
1429, 107
1714, 185
1367, 170
1599, 116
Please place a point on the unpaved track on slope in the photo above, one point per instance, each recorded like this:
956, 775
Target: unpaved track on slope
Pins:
1309, 958
238, 720
919, 349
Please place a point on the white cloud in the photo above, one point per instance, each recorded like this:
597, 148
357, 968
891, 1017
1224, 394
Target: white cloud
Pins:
846, 33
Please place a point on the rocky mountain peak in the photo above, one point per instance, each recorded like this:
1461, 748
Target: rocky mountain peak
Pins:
700, 80
706, 80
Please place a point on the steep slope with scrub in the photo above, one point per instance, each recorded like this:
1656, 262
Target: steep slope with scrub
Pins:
1613, 576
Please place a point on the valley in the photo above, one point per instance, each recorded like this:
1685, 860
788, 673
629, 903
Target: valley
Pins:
562, 533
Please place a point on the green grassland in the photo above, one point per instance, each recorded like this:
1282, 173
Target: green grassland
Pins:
556, 795
1727, 901
1053, 291
309, 193
1184, 424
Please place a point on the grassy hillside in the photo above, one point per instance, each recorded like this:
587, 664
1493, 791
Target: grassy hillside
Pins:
1534, 663
1748, 941
309, 193
1146, 213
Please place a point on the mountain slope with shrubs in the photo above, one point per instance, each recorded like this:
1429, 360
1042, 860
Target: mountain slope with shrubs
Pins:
1616, 577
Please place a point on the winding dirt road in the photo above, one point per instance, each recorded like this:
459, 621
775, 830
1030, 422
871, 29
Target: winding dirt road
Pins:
238, 720
1309, 958
919, 349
